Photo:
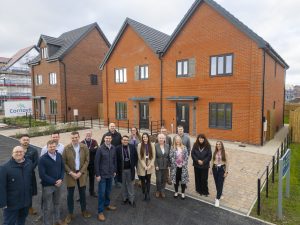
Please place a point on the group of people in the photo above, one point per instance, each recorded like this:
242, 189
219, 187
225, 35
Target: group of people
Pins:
118, 159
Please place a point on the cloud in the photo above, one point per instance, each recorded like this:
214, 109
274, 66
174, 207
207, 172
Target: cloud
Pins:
22, 22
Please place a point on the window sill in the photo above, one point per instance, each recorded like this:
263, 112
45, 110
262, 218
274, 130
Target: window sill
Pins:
225, 75
220, 128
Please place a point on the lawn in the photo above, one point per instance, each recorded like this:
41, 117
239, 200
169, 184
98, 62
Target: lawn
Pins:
286, 119
291, 206
23, 121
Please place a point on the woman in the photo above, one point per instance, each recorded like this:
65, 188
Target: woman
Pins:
134, 137
201, 155
162, 162
146, 158
219, 169
179, 166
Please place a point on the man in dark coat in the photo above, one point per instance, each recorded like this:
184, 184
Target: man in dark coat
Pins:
32, 154
126, 163
15, 187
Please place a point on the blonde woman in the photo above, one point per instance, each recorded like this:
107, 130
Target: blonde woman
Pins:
219, 169
145, 168
179, 166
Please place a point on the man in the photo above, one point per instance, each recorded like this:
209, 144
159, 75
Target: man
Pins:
32, 154
126, 163
59, 146
106, 168
76, 161
15, 187
116, 141
185, 138
51, 171
92, 145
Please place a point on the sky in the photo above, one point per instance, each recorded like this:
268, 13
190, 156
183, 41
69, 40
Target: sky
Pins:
22, 22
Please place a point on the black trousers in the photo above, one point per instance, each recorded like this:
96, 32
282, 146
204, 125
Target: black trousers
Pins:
145, 180
201, 177
91, 170
218, 172
178, 178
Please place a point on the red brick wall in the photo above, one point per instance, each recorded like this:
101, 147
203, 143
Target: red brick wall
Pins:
131, 51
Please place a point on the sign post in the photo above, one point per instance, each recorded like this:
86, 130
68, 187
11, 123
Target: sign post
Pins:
284, 170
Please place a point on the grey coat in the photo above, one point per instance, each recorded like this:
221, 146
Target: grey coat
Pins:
162, 161
186, 142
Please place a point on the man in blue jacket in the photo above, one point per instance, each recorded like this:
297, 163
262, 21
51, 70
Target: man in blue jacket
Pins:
51, 171
15, 187
106, 168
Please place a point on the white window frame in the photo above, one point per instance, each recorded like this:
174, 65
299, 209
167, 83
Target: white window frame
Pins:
182, 68
121, 75
143, 72
39, 79
52, 78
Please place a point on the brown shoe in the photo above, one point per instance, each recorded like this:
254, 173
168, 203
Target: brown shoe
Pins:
101, 217
157, 194
86, 214
163, 195
69, 218
111, 208
32, 211
60, 222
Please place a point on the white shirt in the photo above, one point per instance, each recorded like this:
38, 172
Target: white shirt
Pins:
52, 156
77, 158
60, 148
162, 150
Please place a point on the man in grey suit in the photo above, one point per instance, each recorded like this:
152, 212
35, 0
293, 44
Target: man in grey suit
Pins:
162, 162
185, 138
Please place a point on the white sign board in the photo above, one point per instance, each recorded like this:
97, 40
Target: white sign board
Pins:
17, 108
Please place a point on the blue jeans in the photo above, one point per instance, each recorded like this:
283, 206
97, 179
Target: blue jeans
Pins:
15, 217
70, 198
104, 189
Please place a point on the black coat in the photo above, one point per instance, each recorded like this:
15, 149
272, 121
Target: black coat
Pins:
15, 184
204, 155
116, 138
93, 147
133, 161
33, 155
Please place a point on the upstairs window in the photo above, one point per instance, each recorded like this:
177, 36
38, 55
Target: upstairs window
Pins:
38, 79
143, 72
182, 68
52, 78
121, 75
221, 65
94, 79
44, 53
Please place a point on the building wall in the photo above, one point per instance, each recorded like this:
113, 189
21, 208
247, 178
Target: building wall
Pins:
130, 52
274, 91
82, 61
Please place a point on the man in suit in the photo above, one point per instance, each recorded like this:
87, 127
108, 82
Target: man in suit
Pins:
126, 164
76, 161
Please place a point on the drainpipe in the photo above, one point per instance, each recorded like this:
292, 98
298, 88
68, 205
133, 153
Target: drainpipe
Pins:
33, 89
65, 89
161, 87
283, 98
263, 97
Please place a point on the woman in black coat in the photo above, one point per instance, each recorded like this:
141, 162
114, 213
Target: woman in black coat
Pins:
201, 155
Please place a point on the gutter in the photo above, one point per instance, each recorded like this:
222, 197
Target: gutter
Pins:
263, 98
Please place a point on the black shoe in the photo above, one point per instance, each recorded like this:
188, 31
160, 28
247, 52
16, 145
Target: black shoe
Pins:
125, 202
132, 204
145, 197
93, 194
148, 197
78, 200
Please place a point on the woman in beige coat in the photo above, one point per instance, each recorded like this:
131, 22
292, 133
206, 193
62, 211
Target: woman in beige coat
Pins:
146, 158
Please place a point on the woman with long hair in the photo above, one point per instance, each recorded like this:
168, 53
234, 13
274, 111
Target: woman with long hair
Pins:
179, 166
201, 155
134, 137
219, 169
146, 158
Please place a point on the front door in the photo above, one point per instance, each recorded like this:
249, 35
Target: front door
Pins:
144, 115
182, 116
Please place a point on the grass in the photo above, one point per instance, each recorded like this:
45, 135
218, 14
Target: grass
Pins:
291, 205
23, 121
286, 119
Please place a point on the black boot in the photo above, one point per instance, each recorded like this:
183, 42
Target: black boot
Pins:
148, 197
145, 196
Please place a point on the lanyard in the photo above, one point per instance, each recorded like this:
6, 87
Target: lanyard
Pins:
88, 144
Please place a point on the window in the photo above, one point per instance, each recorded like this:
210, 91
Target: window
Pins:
39, 79
52, 78
220, 115
94, 79
221, 65
143, 72
182, 68
275, 69
53, 107
121, 110
120, 75
44, 52
274, 104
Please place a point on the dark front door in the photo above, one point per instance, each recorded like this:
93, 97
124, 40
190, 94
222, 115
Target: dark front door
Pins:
182, 116
144, 115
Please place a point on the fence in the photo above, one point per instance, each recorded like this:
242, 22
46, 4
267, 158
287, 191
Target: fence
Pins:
290, 107
295, 125
271, 169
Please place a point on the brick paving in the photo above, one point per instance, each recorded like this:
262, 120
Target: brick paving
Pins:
246, 164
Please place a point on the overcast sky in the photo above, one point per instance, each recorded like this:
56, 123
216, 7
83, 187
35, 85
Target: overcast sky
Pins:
22, 22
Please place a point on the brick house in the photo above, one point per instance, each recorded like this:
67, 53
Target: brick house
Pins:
213, 75
65, 76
